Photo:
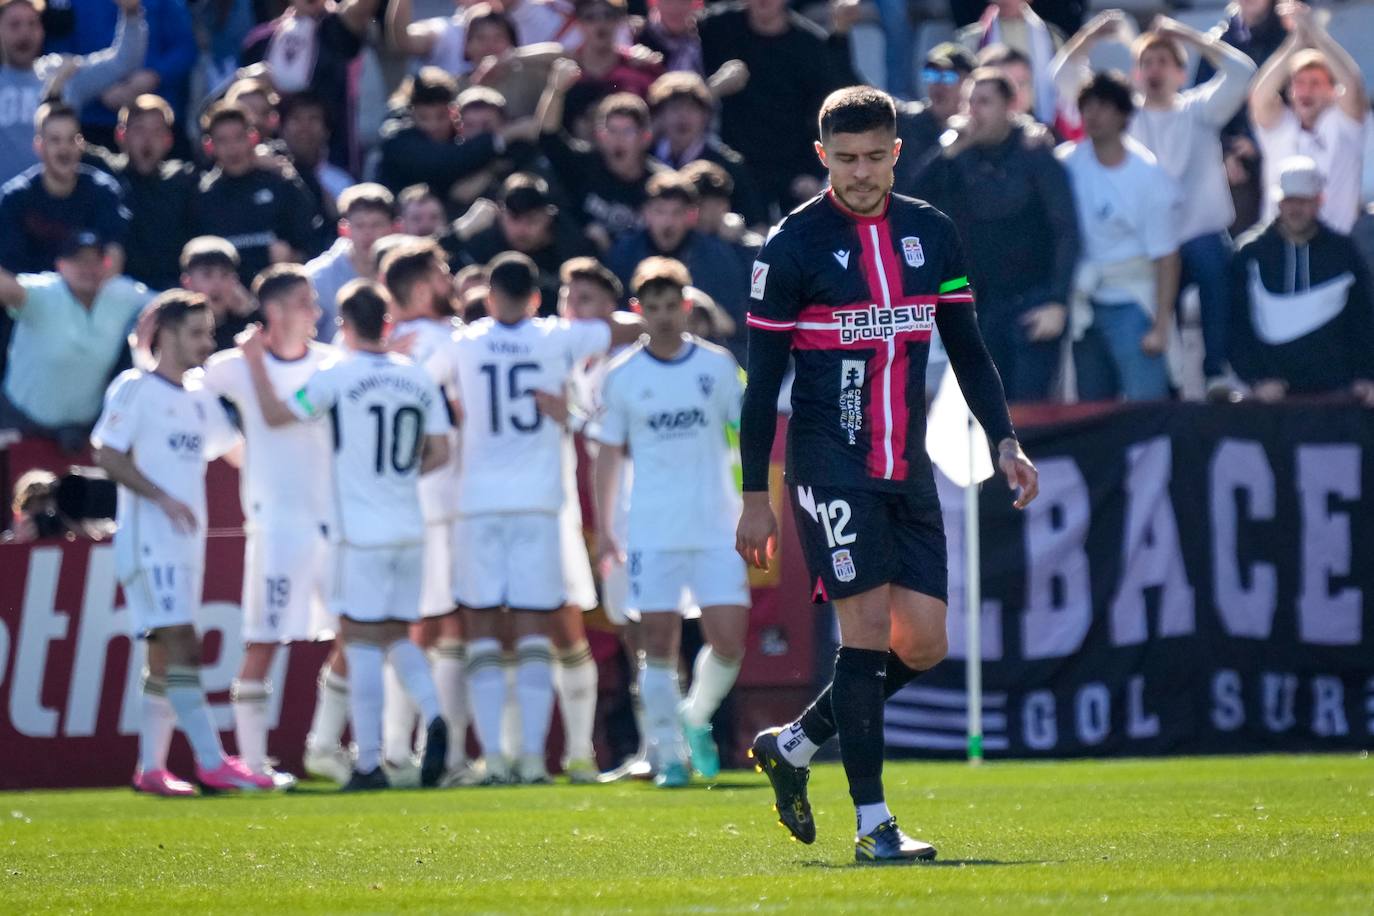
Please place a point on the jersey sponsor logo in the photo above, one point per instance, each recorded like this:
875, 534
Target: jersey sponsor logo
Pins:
842, 561
911, 250
884, 322
852, 398
188, 443
842, 256
677, 421
759, 282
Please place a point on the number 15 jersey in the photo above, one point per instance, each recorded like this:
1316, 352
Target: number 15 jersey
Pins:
512, 454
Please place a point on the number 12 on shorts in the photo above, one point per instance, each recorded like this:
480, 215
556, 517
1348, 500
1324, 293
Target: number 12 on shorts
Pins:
834, 517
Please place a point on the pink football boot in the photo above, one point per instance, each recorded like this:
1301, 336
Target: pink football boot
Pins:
231, 775
161, 782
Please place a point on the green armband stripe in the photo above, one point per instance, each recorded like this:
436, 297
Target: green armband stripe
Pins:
304, 400
950, 286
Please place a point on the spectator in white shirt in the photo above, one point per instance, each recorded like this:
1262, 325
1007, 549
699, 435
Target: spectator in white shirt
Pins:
1324, 117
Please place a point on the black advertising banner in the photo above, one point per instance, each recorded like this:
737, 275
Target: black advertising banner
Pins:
1192, 579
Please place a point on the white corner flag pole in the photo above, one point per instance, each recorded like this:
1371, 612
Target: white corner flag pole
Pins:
973, 599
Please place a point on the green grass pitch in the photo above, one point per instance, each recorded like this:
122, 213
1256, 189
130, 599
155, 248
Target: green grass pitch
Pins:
1216, 835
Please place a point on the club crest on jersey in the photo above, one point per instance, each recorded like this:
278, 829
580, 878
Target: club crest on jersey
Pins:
843, 562
759, 280
911, 250
881, 322
707, 384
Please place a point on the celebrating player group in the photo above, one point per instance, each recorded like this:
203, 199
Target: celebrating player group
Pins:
410, 492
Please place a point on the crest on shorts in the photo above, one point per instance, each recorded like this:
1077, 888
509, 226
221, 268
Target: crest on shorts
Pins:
843, 563
911, 250
707, 383
200, 411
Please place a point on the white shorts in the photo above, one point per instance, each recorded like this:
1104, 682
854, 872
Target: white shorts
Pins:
436, 596
615, 596
510, 559
373, 584
285, 584
162, 595
672, 580
578, 584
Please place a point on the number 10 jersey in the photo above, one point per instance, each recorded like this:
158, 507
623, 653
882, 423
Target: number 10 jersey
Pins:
512, 454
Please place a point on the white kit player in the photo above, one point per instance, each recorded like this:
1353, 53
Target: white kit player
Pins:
154, 437
417, 276
671, 402
510, 494
389, 427
285, 494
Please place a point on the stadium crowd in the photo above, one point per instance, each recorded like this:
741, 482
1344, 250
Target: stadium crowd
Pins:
153, 144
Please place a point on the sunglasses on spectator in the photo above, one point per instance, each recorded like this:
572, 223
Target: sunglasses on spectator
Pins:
934, 76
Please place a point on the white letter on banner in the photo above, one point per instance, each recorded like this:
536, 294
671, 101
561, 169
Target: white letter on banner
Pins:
99, 625
1093, 708
39, 625
1280, 693
1324, 618
1328, 707
1150, 551
1037, 721
1139, 723
1056, 530
1241, 465
1228, 707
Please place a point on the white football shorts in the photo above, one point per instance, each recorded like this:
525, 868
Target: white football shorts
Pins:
673, 580
373, 584
511, 559
162, 595
436, 596
579, 586
286, 578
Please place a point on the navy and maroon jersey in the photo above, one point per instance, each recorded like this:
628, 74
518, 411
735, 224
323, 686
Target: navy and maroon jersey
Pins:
858, 297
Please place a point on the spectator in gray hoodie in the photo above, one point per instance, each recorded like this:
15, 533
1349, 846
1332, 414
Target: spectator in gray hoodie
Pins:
27, 76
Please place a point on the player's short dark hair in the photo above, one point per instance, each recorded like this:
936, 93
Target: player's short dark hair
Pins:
407, 264
431, 86
278, 280
857, 110
659, 274
171, 309
514, 275
364, 304
672, 185
367, 195
623, 105
590, 270
709, 178
997, 79
1110, 87
478, 271
686, 85
147, 103
224, 112
304, 100
55, 110
481, 97
209, 251
487, 14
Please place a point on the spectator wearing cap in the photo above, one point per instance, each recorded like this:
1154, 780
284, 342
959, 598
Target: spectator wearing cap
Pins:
920, 124
70, 328
1011, 202
1302, 316
1127, 281
606, 67
210, 266
420, 212
1323, 117
267, 215
529, 223
793, 65
425, 144
159, 193
29, 76
367, 214
482, 113
669, 215
312, 45
683, 108
605, 182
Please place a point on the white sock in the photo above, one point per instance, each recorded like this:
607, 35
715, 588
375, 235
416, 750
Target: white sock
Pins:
796, 748
365, 702
156, 725
413, 668
250, 721
510, 712
661, 693
448, 662
398, 718
534, 687
193, 715
870, 816
331, 711
575, 679
637, 706
487, 693
712, 678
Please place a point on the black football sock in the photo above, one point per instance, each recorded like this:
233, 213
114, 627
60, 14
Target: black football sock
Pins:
857, 703
818, 721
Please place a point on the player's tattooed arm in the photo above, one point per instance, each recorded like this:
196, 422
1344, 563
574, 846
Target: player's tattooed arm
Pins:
120, 468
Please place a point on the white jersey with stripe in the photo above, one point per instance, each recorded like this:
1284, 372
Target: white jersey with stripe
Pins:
434, 347
382, 407
171, 431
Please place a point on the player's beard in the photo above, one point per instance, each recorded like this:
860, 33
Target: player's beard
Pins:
882, 197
